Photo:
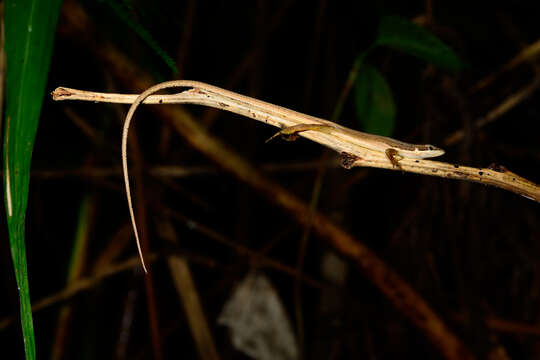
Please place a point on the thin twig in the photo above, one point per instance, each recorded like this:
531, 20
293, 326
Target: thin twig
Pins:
530, 53
102, 272
402, 296
354, 154
81, 285
508, 104
173, 171
198, 323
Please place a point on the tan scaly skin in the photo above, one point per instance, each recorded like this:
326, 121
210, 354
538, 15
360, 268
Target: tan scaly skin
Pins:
395, 150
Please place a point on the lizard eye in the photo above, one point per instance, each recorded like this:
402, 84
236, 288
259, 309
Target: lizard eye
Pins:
430, 147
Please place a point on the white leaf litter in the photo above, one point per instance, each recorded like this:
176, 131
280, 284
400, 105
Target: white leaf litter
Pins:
257, 322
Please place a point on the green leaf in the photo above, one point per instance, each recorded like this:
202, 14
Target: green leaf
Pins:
77, 265
30, 27
374, 102
404, 35
123, 14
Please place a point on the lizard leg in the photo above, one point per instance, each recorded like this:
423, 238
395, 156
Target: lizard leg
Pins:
290, 133
394, 157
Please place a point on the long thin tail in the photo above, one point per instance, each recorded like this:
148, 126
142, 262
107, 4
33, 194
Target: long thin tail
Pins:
127, 122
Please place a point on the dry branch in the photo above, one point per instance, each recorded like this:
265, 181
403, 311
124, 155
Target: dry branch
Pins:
353, 153
400, 294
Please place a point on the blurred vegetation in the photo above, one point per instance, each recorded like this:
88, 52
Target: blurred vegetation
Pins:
470, 251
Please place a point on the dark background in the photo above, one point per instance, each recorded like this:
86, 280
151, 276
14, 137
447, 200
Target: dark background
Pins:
469, 250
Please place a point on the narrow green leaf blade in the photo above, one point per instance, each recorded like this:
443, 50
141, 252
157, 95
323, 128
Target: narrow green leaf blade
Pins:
404, 35
142, 32
30, 27
374, 102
